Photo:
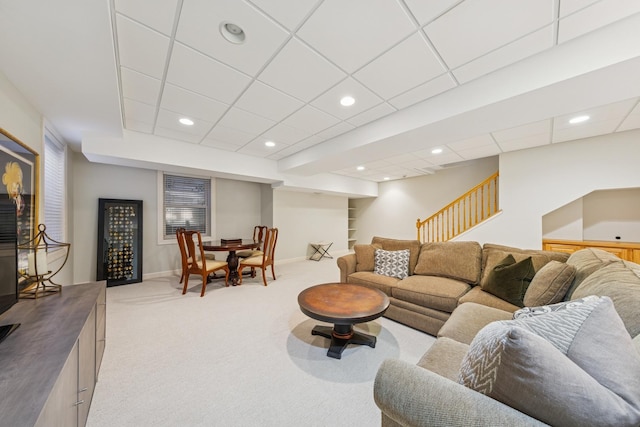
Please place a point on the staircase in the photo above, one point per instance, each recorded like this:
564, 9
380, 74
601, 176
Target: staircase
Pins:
467, 211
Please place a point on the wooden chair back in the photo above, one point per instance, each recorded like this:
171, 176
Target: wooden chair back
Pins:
197, 261
266, 259
183, 251
258, 234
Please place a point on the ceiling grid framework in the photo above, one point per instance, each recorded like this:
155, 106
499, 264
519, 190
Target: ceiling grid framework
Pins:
452, 63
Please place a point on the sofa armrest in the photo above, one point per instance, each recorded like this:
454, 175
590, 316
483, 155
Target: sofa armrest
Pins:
347, 265
414, 396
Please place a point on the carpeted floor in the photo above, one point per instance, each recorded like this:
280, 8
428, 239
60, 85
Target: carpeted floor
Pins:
239, 356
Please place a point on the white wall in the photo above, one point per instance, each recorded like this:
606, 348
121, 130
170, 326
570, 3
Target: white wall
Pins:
400, 203
612, 213
303, 218
537, 181
565, 223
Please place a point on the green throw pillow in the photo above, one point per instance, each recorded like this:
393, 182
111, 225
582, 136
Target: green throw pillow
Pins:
509, 279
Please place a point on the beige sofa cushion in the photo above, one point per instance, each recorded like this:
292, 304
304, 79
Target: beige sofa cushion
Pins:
550, 284
621, 282
397, 244
456, 260
551, 357
365, 256
552, 255
477, 295
444, 358
373, 280
586, 261
438, 293
468, 319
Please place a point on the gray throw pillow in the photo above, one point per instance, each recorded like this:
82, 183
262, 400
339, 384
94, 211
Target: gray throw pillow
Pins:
392, 263
569, 367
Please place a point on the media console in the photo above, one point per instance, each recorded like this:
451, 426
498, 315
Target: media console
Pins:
49, 366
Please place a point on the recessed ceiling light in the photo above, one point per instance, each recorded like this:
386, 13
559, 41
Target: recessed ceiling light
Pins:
579, 119
386, 178
270, 144
232, 32
186, 122
360, 168
347, 101
436, 151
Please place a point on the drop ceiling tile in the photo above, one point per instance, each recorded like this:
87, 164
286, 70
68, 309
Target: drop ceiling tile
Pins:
632, 121
177, 135
335, 130
407, 65
308, 142
140, 48
425, 91
507, 21
359, 30
198, 73
157, 14
310, 120
139, 86
479, 152
137, 126
585, 130
595, 16
427, 11
285, 151
289, 13
476, 141
243, 120
372, 114
200, 27
168, 120
542, 127
447, 156
570, 6
615, 111
329, 101
230, 136
139, 111
268, 102
402, 158
283, 134
525, 142
519, 49
221, 145
416, 163
256, 148
191, 105
301, 72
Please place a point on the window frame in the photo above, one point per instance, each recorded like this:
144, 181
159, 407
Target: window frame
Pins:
165, 240
52, 136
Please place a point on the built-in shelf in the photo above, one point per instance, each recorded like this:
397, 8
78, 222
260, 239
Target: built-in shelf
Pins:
351, 228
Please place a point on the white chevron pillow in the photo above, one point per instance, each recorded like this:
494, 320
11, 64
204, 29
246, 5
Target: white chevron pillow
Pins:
569, 367
392, 263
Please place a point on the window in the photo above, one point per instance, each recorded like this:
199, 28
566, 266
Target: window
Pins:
187, 203
54, 186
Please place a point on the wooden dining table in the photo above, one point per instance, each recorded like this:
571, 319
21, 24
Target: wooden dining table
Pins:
232, 258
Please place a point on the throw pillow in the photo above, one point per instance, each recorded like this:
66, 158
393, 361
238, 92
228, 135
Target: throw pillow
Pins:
365, 256
456, 260
579, 363
509, 279
392, 263
544, 309
549, 284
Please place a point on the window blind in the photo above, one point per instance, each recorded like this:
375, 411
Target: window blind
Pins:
54, 184
187, 203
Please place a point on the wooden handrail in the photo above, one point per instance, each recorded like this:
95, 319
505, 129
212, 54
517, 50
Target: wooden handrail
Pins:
468, 210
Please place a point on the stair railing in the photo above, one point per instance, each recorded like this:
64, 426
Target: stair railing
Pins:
468, 210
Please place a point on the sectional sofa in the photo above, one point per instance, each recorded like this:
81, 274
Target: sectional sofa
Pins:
564, 350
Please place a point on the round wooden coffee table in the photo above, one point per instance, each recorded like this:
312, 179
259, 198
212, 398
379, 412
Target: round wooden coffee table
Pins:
344, 305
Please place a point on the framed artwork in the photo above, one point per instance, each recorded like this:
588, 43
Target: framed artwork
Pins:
19, 169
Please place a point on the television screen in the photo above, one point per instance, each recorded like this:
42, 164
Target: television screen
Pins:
8, 255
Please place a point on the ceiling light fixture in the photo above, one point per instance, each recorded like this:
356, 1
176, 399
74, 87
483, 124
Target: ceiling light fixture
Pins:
185, 121
386, 178
232, 32
579, 119
436, 151
360, 168
270, 144
347, 101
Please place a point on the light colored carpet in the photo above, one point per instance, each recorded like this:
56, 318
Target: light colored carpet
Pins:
239, 356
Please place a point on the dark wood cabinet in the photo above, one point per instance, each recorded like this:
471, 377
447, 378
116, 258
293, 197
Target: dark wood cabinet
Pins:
119, 241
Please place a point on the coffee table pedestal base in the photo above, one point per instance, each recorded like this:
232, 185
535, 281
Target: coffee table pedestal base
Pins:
341, 336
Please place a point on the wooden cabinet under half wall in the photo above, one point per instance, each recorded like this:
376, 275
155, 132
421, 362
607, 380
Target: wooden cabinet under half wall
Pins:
49, 365
625, 250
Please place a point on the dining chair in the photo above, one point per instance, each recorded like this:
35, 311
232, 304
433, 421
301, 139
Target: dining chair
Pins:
185, 259
258, 236
202, 265
264, 260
